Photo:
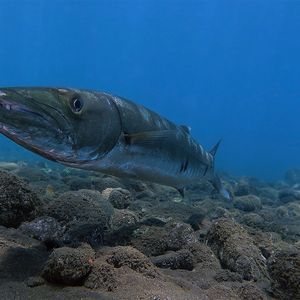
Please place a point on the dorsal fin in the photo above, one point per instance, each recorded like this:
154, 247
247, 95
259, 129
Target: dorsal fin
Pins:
185, 128
214, 149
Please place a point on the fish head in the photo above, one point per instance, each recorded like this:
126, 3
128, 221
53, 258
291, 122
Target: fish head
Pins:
70, 126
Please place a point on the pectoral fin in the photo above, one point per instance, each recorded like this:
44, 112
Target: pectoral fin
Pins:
148, 137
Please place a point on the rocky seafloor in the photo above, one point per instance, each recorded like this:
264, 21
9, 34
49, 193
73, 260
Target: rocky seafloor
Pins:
70, 234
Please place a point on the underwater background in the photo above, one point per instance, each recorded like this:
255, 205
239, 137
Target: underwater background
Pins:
227, 69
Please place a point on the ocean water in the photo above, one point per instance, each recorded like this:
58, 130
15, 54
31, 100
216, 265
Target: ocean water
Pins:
227, 69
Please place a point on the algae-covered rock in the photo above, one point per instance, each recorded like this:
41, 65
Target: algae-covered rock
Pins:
284, 268
150, 240
85, 214
247, 203
182, 259
46, 229
128, 256
69, 265
103, 276
118, 197
236, 249
179, 235
18, 203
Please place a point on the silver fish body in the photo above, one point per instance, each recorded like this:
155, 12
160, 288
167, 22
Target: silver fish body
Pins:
101, 132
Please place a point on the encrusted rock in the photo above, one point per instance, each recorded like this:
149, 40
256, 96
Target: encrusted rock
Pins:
247, 203
118, 197
182, 259
45, 229
284, 268
179, 235
289, 195
128, 256
236, 249
69, 265
85, 214
18, 203
103, 276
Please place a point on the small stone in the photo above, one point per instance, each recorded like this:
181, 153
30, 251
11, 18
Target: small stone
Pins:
35, 281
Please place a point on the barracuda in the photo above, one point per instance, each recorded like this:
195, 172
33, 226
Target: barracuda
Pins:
101, 132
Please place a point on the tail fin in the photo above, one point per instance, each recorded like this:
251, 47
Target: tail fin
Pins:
216, 180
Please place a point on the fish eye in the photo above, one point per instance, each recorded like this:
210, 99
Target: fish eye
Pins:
76, 104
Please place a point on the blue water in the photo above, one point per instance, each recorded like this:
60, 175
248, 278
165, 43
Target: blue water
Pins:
228, 69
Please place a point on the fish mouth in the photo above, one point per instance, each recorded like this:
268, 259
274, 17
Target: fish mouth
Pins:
36, 130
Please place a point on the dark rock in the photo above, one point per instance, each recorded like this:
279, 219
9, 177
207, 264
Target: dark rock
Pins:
179, 235
244, 187
45, 229
18, 203
250, 291
203, 256
85, 213
247, 203
103, 276
123, 218
68, 265
195, 220
20, 256
236, 249
118, 197
284, 268
253, 220
150, 240
35, 281
183, 259
132, 258
289, 195
226, 275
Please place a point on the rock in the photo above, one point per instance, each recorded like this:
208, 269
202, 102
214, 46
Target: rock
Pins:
45, 229
289, 195
128, 256
226, 275
118, 197
150, 240
236, 250
195, 220
20, 256
123, 218
250, 291
35, 281
284, 268
183, 259
244, 188
253, 220
18, 203
179, 235
69, 265
85, 213
103, 276
203, 256
247, 203
122, 225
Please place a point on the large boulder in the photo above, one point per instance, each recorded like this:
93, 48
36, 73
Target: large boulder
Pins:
284, 268
236, 249
85, 213
247, 203
18, 203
